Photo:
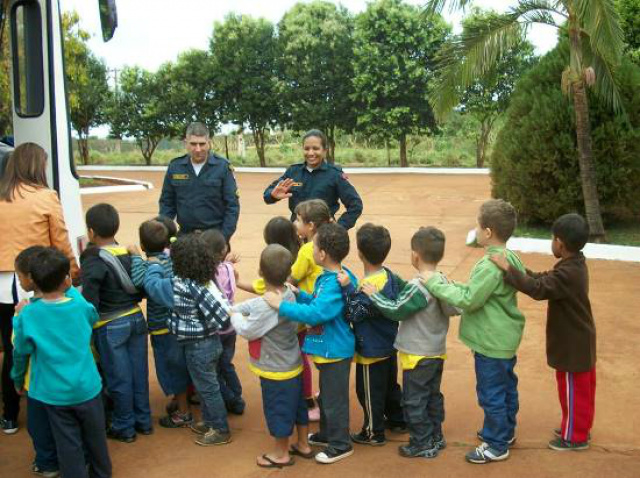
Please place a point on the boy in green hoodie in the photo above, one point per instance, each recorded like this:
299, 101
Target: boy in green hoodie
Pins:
491, 327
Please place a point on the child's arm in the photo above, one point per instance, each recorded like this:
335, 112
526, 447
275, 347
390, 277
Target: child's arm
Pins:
138, 270
410, 300
159, 288
300, 269
253, 319
325, 307
22, 348
540, 286
93, 273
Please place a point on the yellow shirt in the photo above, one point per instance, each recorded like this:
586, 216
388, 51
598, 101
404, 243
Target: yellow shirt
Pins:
305, 270
409, 361
377, 279
276, 375
320, 360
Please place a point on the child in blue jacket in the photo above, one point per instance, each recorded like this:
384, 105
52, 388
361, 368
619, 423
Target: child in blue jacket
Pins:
329, 342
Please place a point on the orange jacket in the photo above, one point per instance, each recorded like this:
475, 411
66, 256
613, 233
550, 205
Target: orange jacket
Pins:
33, 218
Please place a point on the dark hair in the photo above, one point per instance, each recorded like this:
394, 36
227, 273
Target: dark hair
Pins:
25, 258
499, 216
103, 219
315, 211
27, 165
428, 243
154, 236
316, 133
573, 230
192, 259
374, 243
53, 268
275, 264
280, 230
171, 226
333, 239
216, 242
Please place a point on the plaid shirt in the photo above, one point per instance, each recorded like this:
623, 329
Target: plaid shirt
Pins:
197, 312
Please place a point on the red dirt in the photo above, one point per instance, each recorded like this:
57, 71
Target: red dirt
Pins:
403, 203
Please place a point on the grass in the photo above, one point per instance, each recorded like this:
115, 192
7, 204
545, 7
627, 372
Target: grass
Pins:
627, 234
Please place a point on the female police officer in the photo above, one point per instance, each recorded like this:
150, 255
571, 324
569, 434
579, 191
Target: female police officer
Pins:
316, 179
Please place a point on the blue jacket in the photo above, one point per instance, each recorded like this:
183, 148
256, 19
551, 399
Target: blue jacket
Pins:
375, 334
327, 182
330, 335
205, 201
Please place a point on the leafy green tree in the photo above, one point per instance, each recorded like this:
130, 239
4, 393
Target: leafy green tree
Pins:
629, 11
488, 97
6, 110
596, 46
395, 48
316, 39
244, 51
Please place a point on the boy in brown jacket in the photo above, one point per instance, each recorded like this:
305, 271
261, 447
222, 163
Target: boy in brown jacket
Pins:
571, 331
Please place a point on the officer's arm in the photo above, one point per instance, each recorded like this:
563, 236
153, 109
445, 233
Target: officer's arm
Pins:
231, 204
351, 200
168, 197
268, 198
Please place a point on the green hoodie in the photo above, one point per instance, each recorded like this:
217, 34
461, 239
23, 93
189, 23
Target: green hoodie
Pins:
491, 324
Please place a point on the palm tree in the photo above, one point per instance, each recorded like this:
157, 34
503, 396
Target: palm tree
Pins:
596, 45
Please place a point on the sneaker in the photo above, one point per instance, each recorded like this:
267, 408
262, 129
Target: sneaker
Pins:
213, 437
416, 451
440, 443
236, 407
363, 438
396, 427
485, 454
9, 427
176, 420
171, 407
331, 455
510, 443
200, 428
315, 439
114, 435
562, 445
557, 432
35, 469
314, 414
144, 431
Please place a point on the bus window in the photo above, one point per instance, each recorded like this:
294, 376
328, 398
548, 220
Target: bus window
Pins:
26, 55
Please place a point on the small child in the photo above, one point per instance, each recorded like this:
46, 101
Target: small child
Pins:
199, 311
120, 336
55, 331
329, 341
422, 343
491, 327
171, 368
275, 357
230, 385
571, 331
376, 360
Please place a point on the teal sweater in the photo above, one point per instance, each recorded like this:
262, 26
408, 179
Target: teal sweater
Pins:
491, 324
57, 337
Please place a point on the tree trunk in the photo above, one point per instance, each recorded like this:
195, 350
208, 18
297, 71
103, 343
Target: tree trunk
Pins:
482, 141
258, 139
386, 145
148, 147
118, 145
226, 146
83, 148
331, 139
403, 151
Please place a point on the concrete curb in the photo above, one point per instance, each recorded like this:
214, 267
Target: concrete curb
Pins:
591, 251
124, 188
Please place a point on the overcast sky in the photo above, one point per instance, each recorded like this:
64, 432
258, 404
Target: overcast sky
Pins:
151, 32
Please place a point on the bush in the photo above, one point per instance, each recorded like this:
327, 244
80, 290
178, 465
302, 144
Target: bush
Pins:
535, 157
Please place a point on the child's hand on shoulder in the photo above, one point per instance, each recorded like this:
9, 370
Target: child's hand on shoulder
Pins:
369, 289
426, 275
501, 261
134, 250
232, 257
21, 305
344, 278
153, 260
273, 299
292, 288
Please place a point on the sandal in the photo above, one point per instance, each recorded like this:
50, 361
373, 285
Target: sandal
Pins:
293, 450
274, 464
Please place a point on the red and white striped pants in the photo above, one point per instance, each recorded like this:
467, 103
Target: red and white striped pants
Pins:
577, 393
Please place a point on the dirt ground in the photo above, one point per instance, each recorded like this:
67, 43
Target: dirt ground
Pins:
403, 203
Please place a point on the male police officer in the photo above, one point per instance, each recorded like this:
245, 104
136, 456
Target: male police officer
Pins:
199, 187
316, 179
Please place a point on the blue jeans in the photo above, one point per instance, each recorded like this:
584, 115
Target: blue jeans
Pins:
497, 389
230, 386
123, 349
202, 362
171, 367
41, 435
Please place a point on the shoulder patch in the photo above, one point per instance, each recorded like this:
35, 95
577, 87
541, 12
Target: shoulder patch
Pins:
180, 176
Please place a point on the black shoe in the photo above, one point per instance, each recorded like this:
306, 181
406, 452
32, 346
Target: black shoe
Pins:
315, 439
414, 451
364, 438
331, 455
144, 431
114, 435
236, 407
396, 427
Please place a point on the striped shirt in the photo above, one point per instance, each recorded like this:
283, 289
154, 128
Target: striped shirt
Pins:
157, 314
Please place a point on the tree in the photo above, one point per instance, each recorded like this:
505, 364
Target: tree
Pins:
244, 53
316, 68
395, 48
6, 110
596, 45
488, 97
629, 11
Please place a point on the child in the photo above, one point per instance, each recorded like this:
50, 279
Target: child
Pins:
491, 327
199, 311
329, 341
171, 368
230, 385
275, 357
376, 360
55, 332
571, 331
120, 336
421, 342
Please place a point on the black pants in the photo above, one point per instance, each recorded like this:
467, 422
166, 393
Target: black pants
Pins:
10, 397
78, 429
41, 435
423, 401
393, 405
334, 403
375, 387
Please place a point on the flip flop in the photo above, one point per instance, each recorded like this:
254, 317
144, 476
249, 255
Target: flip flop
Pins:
293, 450
274, 464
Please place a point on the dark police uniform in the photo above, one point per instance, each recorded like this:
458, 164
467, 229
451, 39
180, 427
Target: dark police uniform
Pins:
326, 182
204, 201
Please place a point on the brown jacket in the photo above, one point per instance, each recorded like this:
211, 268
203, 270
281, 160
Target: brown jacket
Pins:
32, 218
571, 331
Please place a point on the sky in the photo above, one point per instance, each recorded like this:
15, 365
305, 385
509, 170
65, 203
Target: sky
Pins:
152, 32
